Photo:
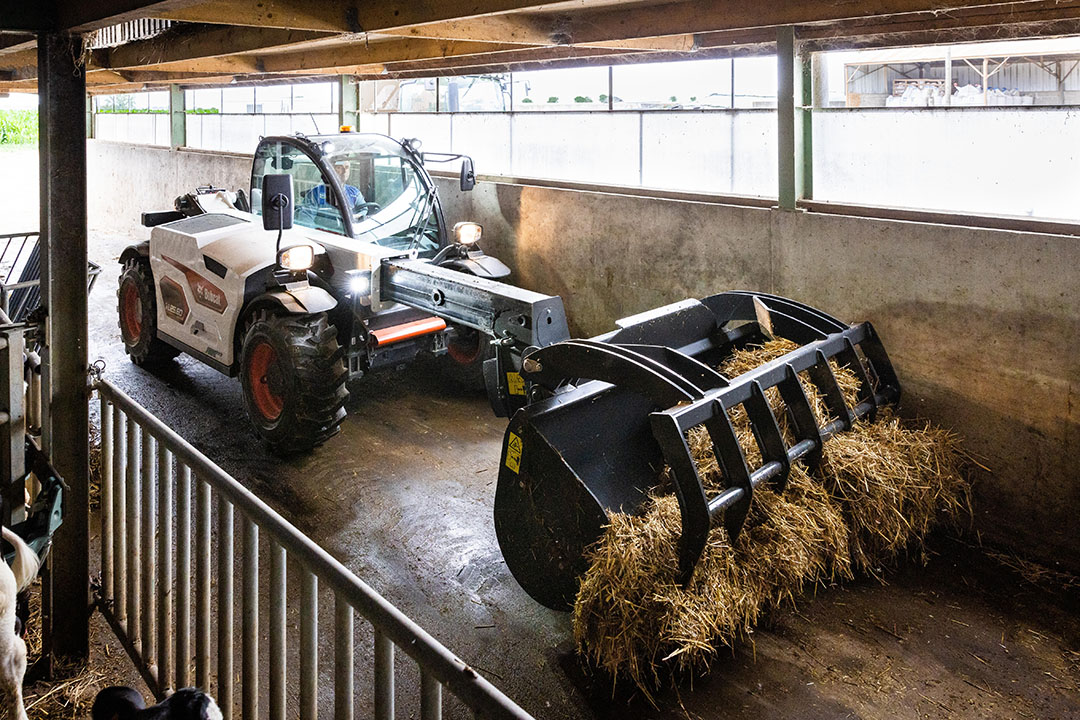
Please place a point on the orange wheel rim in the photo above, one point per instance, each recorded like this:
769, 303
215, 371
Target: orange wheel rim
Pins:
131, 312
264, 377
466, 351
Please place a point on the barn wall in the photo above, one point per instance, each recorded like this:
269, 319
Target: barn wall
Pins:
981, 324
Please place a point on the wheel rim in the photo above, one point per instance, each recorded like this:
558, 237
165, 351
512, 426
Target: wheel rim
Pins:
466, 350
131, 312
264, 380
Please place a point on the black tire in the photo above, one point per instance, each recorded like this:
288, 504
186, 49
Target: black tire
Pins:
465, 355
293, 373
136, 308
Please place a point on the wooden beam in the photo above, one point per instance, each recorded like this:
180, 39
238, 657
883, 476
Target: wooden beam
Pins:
350, 16
191, 43
617, 23
382, 52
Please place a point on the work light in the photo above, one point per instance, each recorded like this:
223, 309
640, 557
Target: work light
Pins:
468, 233
297, 257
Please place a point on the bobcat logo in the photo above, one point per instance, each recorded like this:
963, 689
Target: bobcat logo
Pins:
206, 293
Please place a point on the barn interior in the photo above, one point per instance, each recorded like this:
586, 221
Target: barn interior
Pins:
908, 163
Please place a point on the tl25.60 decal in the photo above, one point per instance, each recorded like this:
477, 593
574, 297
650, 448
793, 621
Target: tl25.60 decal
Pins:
174, 301
205, 292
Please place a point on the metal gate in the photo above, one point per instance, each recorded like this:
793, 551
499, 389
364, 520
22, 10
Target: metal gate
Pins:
160, 498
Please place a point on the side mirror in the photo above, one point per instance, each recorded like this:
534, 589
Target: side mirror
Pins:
468, 175
277, 202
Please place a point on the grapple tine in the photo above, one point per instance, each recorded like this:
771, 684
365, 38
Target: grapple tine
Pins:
849, 359
808, 441
693, 505
821, 375
732, 460
767, 433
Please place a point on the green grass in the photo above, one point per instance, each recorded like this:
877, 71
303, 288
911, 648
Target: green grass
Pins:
18, 127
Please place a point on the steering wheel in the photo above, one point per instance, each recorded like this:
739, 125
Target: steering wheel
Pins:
366, 208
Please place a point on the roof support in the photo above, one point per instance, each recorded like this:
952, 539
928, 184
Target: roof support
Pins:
177, 117
62, 153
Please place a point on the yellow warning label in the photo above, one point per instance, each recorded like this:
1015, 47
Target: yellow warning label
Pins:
515, 383
513, 452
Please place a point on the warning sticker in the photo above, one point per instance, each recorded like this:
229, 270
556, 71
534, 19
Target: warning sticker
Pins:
515, 383
513, 452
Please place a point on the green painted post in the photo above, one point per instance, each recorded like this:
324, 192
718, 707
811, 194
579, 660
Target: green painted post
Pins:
349, 101
787, 192
177, 117
89, 117
804, 138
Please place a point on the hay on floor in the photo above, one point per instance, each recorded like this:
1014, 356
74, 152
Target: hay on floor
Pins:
880, 489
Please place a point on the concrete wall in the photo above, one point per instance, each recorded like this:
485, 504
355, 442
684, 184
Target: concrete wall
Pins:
982, 325
127, 180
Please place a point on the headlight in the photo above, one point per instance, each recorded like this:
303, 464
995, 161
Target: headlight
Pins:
360, 283
298, 257
468, 233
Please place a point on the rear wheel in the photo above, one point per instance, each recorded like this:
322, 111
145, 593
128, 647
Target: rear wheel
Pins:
137, 309
293, 373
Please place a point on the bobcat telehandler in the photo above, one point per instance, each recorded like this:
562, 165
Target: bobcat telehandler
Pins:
371, 277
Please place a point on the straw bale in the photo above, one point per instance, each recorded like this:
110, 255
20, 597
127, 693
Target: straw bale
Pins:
881, 487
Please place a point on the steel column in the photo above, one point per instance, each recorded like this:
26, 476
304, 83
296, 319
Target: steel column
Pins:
177, 117
62, 176
785, 117
349, 101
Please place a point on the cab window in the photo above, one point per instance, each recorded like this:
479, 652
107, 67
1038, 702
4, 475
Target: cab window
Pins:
313, 198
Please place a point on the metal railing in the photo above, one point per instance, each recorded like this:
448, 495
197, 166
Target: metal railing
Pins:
20, 274
152, 529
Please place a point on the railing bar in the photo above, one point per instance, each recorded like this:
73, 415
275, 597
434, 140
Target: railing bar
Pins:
343, 659
309, 646
120, 516
430, 697
459, 678
225, 608
106, 499
134, 508
149, 549
250, 622
277, 632
183, 577
384, 677
202, 583
165, 568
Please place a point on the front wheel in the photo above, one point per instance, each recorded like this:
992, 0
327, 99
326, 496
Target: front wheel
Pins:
293, 373
137, 307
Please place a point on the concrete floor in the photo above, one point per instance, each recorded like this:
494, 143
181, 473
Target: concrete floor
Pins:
403, 497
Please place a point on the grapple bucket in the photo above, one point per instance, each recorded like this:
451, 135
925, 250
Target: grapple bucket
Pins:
619, 406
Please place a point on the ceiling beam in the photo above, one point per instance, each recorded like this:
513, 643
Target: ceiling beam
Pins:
351, 16
621, 23
196, 42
